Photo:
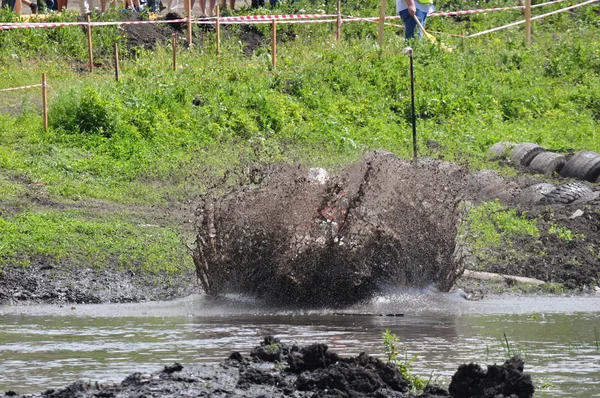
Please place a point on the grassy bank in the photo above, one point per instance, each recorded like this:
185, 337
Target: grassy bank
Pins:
148, 145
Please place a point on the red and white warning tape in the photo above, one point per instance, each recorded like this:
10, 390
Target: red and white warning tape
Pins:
272, 17
480, 10
22, 87
532, 18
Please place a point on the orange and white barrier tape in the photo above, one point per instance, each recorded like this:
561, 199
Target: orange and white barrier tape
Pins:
23, 87
20, 25
532, 18
480, 10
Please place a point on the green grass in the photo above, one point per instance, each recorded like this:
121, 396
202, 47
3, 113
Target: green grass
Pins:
73, 236
161, 137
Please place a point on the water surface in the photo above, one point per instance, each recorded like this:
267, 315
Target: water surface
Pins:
45, 347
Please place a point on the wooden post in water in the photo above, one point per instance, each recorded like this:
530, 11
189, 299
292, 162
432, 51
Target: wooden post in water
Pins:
274, 43
188, 10
338, 32
382, 7
174, 45
218, 28
116, 55
89, 39
528, 22
44, 102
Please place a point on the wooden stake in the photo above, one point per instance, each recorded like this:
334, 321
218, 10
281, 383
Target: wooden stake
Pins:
174, 45
462, 39
528, 22
116, 52
188, 10
44, 102
218, 27
382, 7
89, 38
338, 33
274, 44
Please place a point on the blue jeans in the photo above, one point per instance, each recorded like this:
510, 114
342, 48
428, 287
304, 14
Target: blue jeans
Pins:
410, 24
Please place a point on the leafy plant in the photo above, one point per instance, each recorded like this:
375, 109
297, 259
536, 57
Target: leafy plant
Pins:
400, 359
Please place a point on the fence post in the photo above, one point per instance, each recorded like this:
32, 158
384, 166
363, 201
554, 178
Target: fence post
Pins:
116, 53
528, 22
382, 10
274, 43
174, 45
218, 27
44, 102
188, 10
89, 38
338, 34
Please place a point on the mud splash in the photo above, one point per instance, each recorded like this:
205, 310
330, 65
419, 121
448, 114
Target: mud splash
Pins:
304, 237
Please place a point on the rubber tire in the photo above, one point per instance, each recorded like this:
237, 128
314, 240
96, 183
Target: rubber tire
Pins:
548, 163
524, 153
500, 150
584, 165
567, 193
534, 194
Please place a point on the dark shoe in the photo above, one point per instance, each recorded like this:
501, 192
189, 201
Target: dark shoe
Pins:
34, 8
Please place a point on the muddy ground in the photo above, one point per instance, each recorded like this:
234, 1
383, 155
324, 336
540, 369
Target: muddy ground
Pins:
275, 369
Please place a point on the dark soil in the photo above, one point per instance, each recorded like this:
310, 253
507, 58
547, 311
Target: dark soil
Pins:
275, 369
148, 36
47, 282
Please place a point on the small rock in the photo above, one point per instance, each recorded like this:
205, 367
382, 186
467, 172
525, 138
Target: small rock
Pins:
577, 213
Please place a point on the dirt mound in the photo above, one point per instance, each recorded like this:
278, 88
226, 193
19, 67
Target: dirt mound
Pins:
310, 371
305, 237
505, 380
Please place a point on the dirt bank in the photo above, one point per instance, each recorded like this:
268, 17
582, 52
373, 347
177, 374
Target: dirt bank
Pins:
275, 369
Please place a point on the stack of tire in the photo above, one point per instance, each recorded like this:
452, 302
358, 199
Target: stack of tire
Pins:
584, 165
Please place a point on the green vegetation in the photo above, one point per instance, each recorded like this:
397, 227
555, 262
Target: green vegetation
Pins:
490, 226
158, 138
72, 236
400, 359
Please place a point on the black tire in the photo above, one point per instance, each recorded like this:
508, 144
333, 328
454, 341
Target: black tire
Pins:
534, 194
500, 149
584, 165
524, 153
567, 193
548, 163
589, 198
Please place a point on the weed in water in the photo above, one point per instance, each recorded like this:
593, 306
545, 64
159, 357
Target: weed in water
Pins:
401, 360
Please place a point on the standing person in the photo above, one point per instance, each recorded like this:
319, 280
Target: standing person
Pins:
407, 9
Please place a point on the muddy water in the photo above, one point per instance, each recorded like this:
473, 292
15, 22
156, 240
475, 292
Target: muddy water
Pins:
50, 346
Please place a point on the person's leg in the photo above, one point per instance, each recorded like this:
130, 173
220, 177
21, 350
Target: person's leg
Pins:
60, 4
422, 16
211, 8
203, 8
409, 24
232, 5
